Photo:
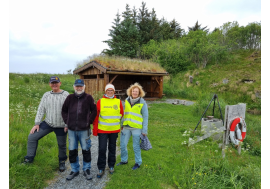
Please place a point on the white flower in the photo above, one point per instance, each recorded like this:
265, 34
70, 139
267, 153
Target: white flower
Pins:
184, 135
185, 132
216, 151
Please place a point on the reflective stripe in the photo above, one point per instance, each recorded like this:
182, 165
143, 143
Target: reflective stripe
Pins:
132, 113
135, 121
108, 124
110, 117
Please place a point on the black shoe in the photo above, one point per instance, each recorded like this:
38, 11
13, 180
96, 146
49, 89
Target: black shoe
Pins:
136, 166
100, 173
122, 163
87, 174
62, 166
72, 175
27, 161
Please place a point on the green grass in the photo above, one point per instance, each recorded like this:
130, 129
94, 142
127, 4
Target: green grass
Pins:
172, 164
210, 80
25, 93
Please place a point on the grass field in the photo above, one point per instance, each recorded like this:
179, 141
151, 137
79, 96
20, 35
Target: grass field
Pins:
171, 163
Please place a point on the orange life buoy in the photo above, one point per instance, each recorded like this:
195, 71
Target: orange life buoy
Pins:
240, 132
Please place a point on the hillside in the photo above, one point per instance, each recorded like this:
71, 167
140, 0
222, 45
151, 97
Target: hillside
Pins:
238, 80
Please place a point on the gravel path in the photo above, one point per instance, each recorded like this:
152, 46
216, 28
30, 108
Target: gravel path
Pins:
60, 181
170, 101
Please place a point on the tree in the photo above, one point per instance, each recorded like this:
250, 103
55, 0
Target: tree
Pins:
197, 26
124, 36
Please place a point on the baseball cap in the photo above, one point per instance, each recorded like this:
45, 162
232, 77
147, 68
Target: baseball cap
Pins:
79, 82
54, 79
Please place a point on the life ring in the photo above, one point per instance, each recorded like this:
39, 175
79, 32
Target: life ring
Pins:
239, 127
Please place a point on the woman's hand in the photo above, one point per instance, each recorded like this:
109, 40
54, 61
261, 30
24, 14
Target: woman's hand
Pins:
144, 134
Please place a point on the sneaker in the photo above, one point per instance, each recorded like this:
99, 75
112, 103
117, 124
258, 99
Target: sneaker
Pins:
72, 175
122, 163
62, 166
100, 173
136, 166
111, 170
27, 161
87, 174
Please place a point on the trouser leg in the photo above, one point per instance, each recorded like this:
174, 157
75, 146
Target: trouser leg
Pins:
136, 145
33, 139
73, 151
102, 147
85, 142
61, 136
112, 149
125, 135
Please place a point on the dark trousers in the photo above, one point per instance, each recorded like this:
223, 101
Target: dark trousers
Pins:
103, 139
45, 129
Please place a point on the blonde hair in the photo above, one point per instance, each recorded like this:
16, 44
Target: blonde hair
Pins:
136, 85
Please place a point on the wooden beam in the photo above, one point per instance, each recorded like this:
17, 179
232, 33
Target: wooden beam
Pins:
113, 78
160, 87
97, 83
132, 73
157, 81
106, 80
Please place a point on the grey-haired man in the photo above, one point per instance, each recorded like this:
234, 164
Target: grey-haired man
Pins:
51, 105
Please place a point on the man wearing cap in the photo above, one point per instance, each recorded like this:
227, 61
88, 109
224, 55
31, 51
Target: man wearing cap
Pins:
107, 126
51, 105
79, 111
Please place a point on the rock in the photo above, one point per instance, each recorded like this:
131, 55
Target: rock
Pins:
190, 79
197, 82
225, 81
258, 94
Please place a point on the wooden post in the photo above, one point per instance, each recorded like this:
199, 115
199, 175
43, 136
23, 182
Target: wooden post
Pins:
160, 86
97, 85
106, 80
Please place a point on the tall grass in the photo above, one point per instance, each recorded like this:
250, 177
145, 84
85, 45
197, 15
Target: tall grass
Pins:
124, 63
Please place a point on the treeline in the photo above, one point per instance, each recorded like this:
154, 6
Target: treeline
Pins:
140, 34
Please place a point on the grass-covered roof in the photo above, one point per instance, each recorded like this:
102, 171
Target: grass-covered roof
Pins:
122, 64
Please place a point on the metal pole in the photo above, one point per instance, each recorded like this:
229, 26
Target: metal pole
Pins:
214, 106
203, 114
220, 111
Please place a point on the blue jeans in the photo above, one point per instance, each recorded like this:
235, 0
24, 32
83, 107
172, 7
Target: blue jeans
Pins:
124, 138
84, 138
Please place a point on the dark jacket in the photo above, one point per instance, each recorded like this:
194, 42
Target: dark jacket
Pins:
79, 111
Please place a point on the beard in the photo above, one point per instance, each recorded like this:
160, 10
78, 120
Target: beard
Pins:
79, 92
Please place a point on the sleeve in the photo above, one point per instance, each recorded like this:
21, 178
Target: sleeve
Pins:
95, 123
41, 110
93, 109
65, 110
145, 118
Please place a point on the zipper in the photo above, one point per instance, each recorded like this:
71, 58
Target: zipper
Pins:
77, 114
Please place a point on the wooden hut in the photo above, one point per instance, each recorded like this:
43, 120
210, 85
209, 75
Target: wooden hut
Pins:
97, 76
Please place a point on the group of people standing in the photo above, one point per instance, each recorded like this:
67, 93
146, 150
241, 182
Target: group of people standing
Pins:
73, 114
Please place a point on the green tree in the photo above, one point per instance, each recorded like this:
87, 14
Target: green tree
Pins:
197, 26
124, 36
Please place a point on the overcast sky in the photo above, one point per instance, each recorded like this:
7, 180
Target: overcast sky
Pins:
52, 36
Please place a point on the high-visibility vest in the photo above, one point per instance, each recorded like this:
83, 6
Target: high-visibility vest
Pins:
109, 117
133, 116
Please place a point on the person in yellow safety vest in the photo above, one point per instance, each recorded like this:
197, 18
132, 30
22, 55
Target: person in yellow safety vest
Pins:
135, 123
107, 126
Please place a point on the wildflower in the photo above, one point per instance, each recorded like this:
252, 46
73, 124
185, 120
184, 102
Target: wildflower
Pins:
195, 183
216, 151
230, 151
192, 178
185, 132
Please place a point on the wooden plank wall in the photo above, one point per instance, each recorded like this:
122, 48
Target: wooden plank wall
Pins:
92, 71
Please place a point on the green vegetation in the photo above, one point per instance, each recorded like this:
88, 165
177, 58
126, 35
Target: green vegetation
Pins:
172, 164
243, 73
123, 63
25, 92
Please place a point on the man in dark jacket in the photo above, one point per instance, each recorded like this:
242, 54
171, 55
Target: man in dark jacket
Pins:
78, 112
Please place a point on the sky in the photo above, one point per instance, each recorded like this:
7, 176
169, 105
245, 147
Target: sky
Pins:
53, 36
